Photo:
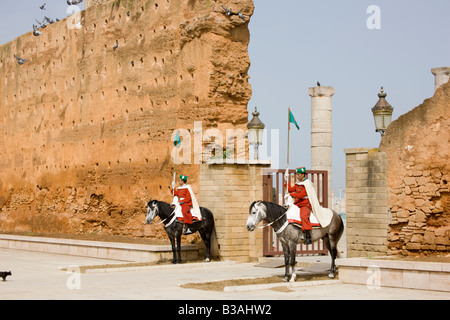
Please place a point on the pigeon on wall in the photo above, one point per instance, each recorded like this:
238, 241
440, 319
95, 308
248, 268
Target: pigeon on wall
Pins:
42, 25
231, 13
20, 60
73, 2
36, 31
50, 21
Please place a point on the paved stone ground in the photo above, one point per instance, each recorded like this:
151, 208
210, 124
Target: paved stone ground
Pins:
38, 275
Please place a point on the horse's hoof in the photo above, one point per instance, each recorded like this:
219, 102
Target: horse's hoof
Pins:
286, 279
207, 260
331, 275
173, 262
293, 278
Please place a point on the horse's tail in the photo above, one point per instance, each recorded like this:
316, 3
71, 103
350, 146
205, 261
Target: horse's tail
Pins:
213, 243
339, 235
214, 249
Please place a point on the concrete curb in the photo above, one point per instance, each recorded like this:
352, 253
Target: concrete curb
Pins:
282, 285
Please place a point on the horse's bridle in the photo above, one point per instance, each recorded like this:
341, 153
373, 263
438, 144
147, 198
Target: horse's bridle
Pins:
162, 221
271, 223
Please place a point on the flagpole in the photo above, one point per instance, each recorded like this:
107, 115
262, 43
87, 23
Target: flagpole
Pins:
173, 184
289, 130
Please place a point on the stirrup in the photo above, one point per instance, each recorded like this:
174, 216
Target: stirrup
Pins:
187, 229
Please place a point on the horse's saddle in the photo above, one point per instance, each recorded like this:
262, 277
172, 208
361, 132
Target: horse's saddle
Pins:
179, 214
293, 216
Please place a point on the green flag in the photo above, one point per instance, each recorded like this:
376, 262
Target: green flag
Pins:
177, 140
292, 120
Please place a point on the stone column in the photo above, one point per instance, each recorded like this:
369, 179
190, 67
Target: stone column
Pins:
442, 75
227, 189
321, 135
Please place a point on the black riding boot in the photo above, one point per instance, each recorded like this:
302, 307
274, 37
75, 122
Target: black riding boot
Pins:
308, 237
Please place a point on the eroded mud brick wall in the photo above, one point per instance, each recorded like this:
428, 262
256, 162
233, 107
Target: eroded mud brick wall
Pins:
92, 3
86, 128
417, 148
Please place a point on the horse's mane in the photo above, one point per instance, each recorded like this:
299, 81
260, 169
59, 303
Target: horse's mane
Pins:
274, 211
165, 207
164, 204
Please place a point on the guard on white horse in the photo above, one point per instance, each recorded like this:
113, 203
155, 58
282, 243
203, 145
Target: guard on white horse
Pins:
288, 223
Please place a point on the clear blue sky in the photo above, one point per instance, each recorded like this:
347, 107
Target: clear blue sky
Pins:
18, 16
295, 43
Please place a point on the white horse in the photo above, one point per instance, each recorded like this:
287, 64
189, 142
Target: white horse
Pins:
290, 235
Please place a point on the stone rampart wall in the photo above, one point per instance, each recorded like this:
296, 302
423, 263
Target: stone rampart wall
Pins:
92, 3
417, 147
86, 124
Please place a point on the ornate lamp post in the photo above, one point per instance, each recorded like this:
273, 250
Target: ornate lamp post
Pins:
255, 132
382, 113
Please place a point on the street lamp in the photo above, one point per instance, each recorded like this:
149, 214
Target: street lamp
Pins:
255, 132
382, 113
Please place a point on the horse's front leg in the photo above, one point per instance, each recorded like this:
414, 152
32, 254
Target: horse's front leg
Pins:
179, 248
287, 274
174, 252
292, 254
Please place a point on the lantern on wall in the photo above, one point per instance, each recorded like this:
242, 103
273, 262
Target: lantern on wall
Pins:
382, 113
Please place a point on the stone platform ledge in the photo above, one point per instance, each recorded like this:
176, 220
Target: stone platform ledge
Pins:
434, 276
97, 249
136, 266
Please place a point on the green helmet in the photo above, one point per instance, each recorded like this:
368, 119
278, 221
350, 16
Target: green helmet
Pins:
300, 170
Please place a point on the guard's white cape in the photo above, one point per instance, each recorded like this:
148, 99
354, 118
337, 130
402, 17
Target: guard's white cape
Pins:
195, 211
293, 215
177, 207
323, 215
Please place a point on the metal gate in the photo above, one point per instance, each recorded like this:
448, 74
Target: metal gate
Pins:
273, 191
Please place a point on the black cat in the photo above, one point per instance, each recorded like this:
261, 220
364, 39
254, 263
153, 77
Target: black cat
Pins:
4, 274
